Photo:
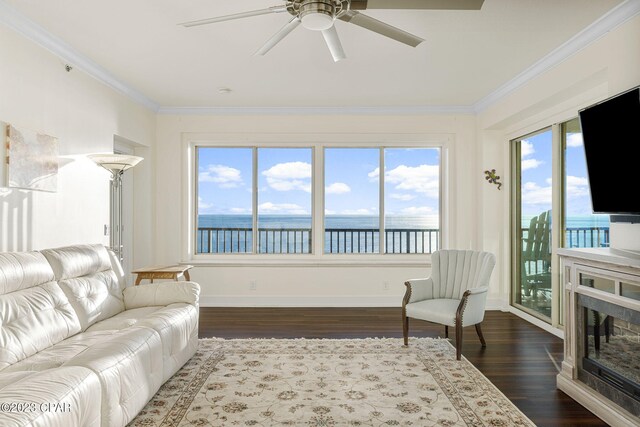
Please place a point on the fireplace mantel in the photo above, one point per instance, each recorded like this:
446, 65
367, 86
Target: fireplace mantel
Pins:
597, 277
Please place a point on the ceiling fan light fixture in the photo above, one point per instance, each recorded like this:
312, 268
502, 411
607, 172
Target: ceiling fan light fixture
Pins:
317, 15
317, 21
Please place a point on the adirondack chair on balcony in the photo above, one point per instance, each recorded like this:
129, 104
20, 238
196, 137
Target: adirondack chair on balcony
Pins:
536, 257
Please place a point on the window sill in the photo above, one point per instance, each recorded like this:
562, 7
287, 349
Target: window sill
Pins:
414, 261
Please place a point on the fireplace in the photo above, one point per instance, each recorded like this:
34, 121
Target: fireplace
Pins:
609, 350
601, 302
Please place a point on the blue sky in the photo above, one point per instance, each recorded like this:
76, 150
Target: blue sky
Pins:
536, 175
351, 181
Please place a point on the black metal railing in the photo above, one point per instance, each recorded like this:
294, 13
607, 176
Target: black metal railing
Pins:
587, 237
299, 240
580, 237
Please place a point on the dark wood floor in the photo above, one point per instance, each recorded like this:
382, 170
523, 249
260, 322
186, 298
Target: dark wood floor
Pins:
522, 360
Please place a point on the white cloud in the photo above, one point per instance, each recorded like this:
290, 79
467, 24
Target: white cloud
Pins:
526, 148
403, 197
281, 208
530, 164
362, 211
374, 174
417, 210
421, 179
289, 176
224, 176
337, 188
533, 194
202, 205
577, 186
240, 210
329, 212
574, 140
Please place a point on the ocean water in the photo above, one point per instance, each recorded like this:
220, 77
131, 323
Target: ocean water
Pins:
304, 221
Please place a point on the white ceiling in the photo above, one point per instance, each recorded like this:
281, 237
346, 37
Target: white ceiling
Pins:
466, 56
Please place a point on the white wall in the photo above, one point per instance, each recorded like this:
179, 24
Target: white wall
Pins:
606, 67
321, 284
36, 93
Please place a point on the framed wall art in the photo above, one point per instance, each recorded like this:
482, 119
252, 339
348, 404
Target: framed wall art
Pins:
32, 160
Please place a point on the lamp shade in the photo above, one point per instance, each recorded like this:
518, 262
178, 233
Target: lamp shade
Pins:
115, 163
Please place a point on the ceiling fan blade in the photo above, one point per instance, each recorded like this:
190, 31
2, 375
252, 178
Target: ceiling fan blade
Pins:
380, 27
333, 43
277, 37
417, 4
272, 9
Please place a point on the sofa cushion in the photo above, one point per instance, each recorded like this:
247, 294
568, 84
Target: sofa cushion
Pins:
129, 366
59, 398
76, 261
441, 311
94, 297
86, 277
177, 325
23, 270
60, 353
32, 320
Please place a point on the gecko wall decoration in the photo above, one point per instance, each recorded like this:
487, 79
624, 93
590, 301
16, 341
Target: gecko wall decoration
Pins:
493, 178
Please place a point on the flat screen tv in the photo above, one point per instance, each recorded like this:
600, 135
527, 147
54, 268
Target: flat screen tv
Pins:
611, 134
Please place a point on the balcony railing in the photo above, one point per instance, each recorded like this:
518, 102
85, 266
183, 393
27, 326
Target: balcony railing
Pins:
580, 237
299, 241
587, 237
354, 241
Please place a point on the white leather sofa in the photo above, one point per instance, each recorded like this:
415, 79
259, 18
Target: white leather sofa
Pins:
78, 347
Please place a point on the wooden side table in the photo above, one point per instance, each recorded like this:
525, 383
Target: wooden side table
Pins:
162, 272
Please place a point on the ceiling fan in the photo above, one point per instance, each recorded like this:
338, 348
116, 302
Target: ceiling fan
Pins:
320, 15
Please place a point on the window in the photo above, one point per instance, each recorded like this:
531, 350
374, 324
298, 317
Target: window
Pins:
410, 188
284, 200
582, 228
412, 200
263, 200
352, 208
225, 199
226, 189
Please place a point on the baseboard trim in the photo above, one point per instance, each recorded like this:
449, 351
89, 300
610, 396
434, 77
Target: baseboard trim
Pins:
315, 301
596, 403
537, 322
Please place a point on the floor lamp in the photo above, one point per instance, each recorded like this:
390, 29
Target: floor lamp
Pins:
116, 164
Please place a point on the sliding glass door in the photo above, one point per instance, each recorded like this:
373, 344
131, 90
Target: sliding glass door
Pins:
532, 281
551, 155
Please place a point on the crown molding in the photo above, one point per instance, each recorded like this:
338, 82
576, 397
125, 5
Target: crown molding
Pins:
301, 111
607, 22
16, 21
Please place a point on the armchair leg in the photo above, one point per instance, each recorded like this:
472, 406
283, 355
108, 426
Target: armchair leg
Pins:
479, 331
446, 331
405, 329
458, 340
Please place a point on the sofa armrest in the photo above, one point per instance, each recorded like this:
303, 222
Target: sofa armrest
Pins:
161, 294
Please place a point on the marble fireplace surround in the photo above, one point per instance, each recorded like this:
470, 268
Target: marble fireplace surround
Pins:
614, 272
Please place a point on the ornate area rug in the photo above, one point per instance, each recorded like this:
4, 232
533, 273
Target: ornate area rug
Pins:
364, 382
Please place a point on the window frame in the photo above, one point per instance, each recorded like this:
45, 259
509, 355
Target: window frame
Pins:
317, 144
